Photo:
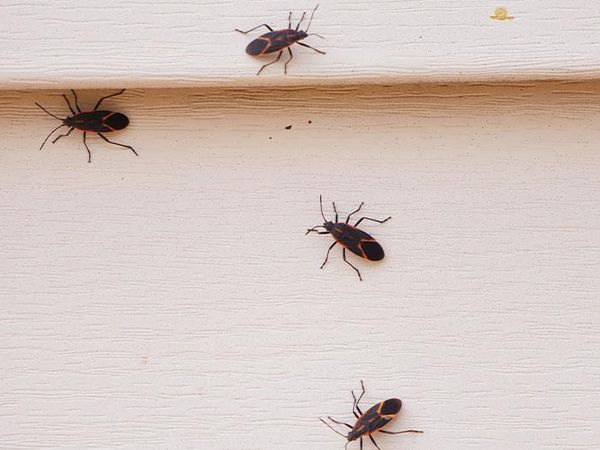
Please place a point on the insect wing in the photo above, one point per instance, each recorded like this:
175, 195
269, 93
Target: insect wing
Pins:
370, 421
259, 46
115, 121
90, 121
272, 42
362, 244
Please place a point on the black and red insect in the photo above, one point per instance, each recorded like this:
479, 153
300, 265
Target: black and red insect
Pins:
279, 40
94, 121
371, 421
350, 237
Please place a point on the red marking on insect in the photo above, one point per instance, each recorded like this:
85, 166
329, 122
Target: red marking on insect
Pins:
279, 40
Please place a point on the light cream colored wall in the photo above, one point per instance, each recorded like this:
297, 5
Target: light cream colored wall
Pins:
166, 43
173, 301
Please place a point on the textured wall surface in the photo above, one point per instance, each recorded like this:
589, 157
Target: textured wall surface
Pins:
173, 301
165, 43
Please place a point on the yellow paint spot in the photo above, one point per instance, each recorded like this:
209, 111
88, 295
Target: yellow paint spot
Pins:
501, 14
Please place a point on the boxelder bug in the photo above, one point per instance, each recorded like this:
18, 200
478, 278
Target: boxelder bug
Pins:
372, 421
350, 237
90, 121
279, 40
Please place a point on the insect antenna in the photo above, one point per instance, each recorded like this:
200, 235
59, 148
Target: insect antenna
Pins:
46, 111
311, 18
48, 137
321, 203
341, 434
301, 20
314, 229
315, 34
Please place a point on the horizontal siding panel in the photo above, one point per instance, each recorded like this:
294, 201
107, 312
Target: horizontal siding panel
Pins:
171, 300
85, 44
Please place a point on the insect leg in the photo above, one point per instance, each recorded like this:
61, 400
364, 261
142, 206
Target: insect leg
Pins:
327, 256
332, 427
69, 104
108, 96
63, 135
312, 48
348, 262
47, 137
340, 423
116, 143
361, 444
354, 212
288, 61
87, 148
374, 443
355, 405
252, 29
372, 220
76, 101
400, 432
272, 62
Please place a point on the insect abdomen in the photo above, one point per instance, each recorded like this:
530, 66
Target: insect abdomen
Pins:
98, 121
272, 42
258, 46
116, 121
371, 250
357, 241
